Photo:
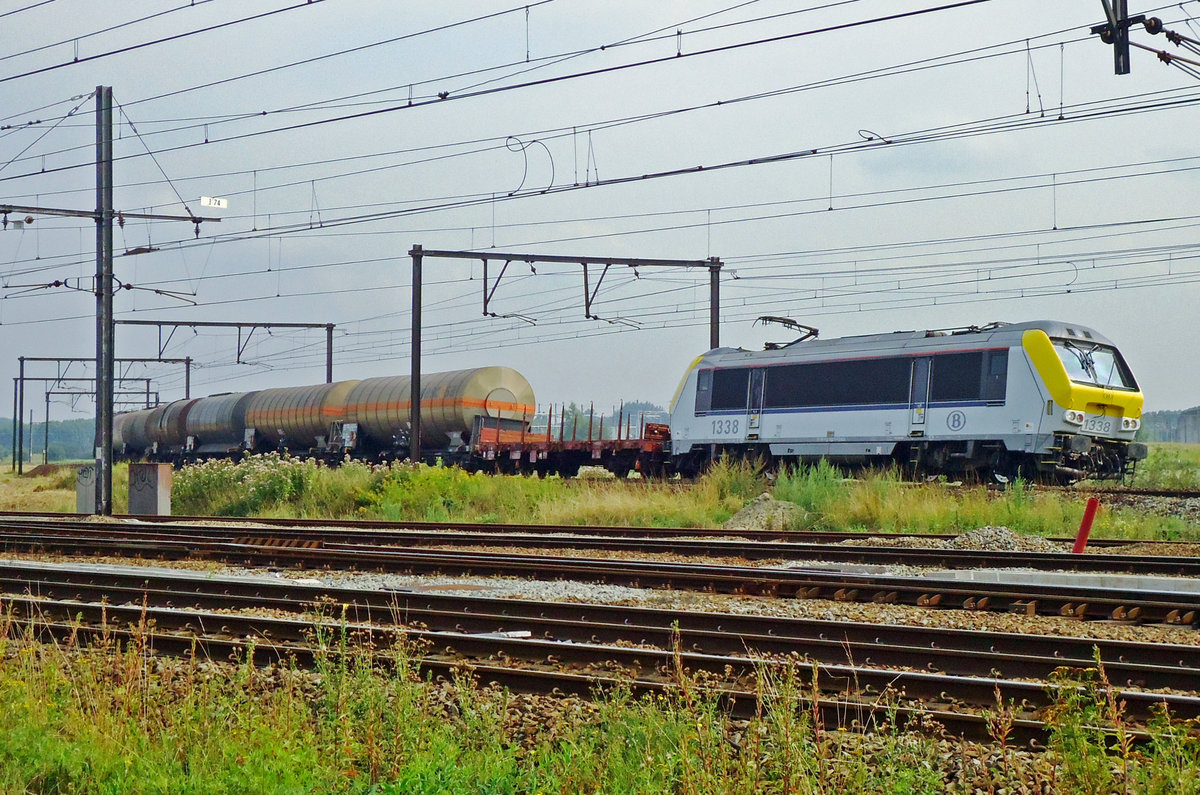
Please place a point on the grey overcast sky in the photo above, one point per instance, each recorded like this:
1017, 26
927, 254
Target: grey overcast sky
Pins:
954, 164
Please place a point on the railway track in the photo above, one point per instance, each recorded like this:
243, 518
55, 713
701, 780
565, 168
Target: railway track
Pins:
1106, 603
503, 529
949, 674
958, 651
754, 545
1180, 494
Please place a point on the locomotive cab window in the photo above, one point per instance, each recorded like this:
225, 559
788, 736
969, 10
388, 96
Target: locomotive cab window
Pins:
704, 380
1094, 364
995, 378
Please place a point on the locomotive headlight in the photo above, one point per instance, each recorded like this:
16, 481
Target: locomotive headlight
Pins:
1074, 417
1130, 424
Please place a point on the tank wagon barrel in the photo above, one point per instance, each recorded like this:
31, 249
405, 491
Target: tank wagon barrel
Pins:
296, 417
450, 402
217, 423
168, 427
136, 431
369, 417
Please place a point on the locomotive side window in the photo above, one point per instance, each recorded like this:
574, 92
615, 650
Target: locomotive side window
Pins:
851, 383
704, 380
729, 388
975, 375
978, 375
958, 376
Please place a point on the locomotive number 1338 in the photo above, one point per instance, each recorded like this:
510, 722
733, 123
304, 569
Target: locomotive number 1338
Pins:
724, 427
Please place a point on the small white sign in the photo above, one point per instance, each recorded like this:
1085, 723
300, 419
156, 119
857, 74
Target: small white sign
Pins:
212, 201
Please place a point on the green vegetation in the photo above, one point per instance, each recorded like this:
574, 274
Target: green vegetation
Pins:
877, 501
882, 502
1170, 466
269, 486
113, 718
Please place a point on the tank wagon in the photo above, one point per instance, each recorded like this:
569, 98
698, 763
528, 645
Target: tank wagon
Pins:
1043, 399
367, 418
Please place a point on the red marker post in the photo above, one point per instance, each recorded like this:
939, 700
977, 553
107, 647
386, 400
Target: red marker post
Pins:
1085, 527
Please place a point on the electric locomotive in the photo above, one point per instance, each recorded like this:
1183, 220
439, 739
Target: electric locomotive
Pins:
1041, 400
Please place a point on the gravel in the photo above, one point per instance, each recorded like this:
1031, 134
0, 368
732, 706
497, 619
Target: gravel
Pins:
1001, 539
905, 615
1186, 508
764, 512
1150, 549
583, 592
985, 539
608, 554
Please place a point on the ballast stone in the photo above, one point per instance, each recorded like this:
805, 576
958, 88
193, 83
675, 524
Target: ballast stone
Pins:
764, 512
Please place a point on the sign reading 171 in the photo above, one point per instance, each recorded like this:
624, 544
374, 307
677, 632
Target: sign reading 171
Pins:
212, 201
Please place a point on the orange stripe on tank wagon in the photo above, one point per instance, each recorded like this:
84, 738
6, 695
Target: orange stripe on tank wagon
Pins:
402, 405
438, 403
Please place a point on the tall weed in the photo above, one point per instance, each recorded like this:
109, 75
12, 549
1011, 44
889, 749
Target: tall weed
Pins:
1169, 466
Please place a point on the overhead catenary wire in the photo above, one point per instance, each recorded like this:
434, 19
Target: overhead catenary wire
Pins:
903, 195
161, 40
446, 96
1106, 283
25, 8
367, 171
277, 214
46, 132
74, 39
927, 62
949, 133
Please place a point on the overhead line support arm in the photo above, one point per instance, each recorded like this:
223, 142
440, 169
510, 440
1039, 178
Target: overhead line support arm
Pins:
419, 253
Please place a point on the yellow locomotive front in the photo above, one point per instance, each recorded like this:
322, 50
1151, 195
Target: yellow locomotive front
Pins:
1094, 404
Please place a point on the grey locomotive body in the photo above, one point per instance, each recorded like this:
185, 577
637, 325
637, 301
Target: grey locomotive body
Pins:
1036, 399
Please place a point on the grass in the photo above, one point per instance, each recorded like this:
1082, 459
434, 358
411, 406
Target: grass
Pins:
875, 501
55, 491
270, 486
1170, 465
114, 718
882, 502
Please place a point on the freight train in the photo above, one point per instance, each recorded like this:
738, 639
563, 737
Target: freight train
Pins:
1041, 400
